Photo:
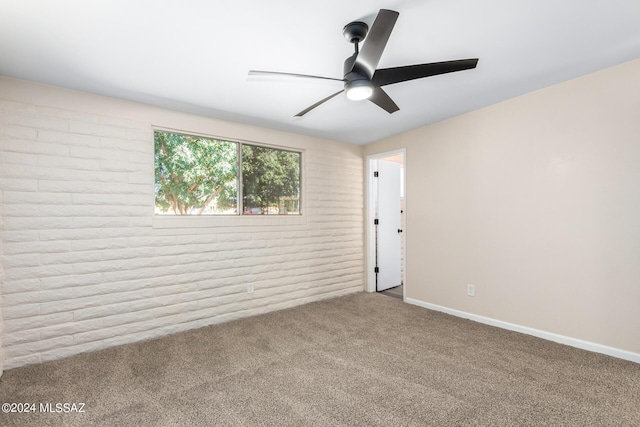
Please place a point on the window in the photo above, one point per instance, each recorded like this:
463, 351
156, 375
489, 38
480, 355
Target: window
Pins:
197, 175
270, 180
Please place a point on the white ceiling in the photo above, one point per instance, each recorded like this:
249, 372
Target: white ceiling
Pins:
194, 55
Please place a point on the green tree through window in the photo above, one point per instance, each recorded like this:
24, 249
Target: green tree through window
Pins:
270, 180
197, 175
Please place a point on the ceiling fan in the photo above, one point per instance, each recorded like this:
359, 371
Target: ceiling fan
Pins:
361, 78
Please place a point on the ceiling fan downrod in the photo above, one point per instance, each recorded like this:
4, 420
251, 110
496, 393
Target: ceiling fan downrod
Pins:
355, 32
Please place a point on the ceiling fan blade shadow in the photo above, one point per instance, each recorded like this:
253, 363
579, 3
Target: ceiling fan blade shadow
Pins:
277, 73
383, 100
375, 42
387, 76
322, 101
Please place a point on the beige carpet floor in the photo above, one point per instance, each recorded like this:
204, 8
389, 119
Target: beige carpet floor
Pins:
359, 360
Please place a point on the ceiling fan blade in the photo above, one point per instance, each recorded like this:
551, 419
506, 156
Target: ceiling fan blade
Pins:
375, 42
322, 101
277, 73
387, 76
383, 100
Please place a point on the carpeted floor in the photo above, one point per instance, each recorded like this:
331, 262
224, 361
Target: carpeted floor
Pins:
359, 360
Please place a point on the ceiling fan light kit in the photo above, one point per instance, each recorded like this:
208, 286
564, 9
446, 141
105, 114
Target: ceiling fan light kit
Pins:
362, 80
358, 90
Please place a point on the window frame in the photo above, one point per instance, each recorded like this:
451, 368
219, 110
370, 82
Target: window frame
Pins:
239, 183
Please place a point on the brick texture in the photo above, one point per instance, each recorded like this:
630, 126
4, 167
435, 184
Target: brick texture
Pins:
85, 265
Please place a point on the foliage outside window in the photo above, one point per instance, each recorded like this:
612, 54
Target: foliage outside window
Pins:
197, 175
270, 180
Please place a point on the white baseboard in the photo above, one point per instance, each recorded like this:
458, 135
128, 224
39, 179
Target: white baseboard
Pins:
573, 342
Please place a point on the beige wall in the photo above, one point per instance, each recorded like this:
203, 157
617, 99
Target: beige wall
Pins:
536, 201
86, 264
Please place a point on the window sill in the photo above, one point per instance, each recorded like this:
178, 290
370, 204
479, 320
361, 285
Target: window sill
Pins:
211, 221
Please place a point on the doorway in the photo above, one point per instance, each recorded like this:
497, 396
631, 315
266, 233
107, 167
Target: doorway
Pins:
386, 231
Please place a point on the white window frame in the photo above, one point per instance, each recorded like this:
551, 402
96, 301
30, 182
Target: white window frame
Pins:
199, 222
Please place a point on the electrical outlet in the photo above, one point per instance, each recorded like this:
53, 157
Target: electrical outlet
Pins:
250, 288
471, 290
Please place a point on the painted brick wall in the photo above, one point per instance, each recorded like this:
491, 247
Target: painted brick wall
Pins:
87, 266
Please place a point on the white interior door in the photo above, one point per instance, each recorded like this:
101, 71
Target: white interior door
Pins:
389, 222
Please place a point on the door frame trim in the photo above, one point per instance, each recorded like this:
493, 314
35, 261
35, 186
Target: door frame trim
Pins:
370, 248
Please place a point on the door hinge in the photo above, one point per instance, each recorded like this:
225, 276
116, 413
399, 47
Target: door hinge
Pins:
376, 270
375, 174
375, 222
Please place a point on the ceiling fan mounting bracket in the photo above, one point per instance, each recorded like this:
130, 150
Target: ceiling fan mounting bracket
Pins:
355, 31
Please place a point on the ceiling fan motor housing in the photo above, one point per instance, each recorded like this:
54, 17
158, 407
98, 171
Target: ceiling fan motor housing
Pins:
357, 85
351, 72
